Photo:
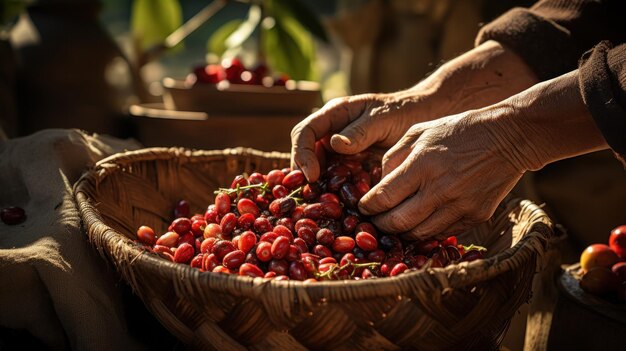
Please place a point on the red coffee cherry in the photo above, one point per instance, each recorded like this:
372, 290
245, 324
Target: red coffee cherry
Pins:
146, 236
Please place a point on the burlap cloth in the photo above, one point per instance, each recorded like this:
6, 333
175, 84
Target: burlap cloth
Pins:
53, 285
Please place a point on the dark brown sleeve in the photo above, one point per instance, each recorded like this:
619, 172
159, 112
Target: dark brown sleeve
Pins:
553, 34
602, 79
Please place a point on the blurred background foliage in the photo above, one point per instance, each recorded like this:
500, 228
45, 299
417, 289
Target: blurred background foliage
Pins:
152, 21
283, 33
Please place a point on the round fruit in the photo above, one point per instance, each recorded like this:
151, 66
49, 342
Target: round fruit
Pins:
343, 244
184, 253
233, 69
181, 225
599, 281
250, 270
181, 209
620, 271
146, 235
366, 241
13, 215
169, 239
211, 74
617, 241
234, 259
398, 269
597, 255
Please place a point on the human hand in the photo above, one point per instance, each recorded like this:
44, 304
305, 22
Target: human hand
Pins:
447, 175
443, 176
361, 121
482, 76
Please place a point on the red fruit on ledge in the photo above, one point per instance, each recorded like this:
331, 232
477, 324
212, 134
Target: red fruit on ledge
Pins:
599, 281
617, 241
281, 80
211, 74
619, 269
597, 255
233, 69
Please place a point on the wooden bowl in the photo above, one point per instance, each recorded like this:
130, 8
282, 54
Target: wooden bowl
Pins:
157, 126
582, 321
296, 98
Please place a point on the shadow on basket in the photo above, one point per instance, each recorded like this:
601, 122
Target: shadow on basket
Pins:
462, 306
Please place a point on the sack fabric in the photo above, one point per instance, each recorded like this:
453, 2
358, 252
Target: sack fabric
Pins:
53, 285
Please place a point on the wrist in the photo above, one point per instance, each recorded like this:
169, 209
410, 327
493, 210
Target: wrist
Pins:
487, 74
545, 123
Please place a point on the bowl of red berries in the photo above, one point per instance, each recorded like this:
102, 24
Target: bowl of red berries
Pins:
601, 272
233, 249
232, 88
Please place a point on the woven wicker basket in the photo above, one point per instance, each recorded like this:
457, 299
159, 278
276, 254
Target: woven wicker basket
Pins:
460, 307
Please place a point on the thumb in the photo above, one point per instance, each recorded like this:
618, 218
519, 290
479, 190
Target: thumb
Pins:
361, 134
396, 155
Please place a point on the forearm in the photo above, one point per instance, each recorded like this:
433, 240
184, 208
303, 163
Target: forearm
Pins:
545, 123
481, 77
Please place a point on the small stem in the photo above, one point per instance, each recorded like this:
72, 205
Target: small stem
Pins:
474, 247
238, 189
299, 189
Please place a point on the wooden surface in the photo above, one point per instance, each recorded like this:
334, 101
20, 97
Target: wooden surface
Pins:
298, 98
156, 126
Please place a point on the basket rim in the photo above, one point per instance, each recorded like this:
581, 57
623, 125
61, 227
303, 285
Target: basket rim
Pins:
453, 276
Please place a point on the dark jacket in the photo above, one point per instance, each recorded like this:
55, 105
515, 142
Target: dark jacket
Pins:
557, 36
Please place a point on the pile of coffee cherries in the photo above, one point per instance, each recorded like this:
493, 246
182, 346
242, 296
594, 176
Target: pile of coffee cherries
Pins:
278, 225
234, 71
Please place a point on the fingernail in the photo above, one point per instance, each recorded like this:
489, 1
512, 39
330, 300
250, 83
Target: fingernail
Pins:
363, 208
344, 139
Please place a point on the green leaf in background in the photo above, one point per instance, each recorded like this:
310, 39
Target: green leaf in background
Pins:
217, 41
246, 28
152, 21
299, 11
10, 11
289, 48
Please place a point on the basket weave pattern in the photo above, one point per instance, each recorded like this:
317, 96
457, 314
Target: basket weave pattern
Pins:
464, 306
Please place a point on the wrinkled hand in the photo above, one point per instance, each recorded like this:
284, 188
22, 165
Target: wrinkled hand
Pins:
442, 177
447, 175
360, 121
484, 75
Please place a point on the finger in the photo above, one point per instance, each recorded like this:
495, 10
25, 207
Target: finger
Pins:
303, 154
407, 215
330, 118
392, 189
435, 224
458, 228
361, 134
395, 156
